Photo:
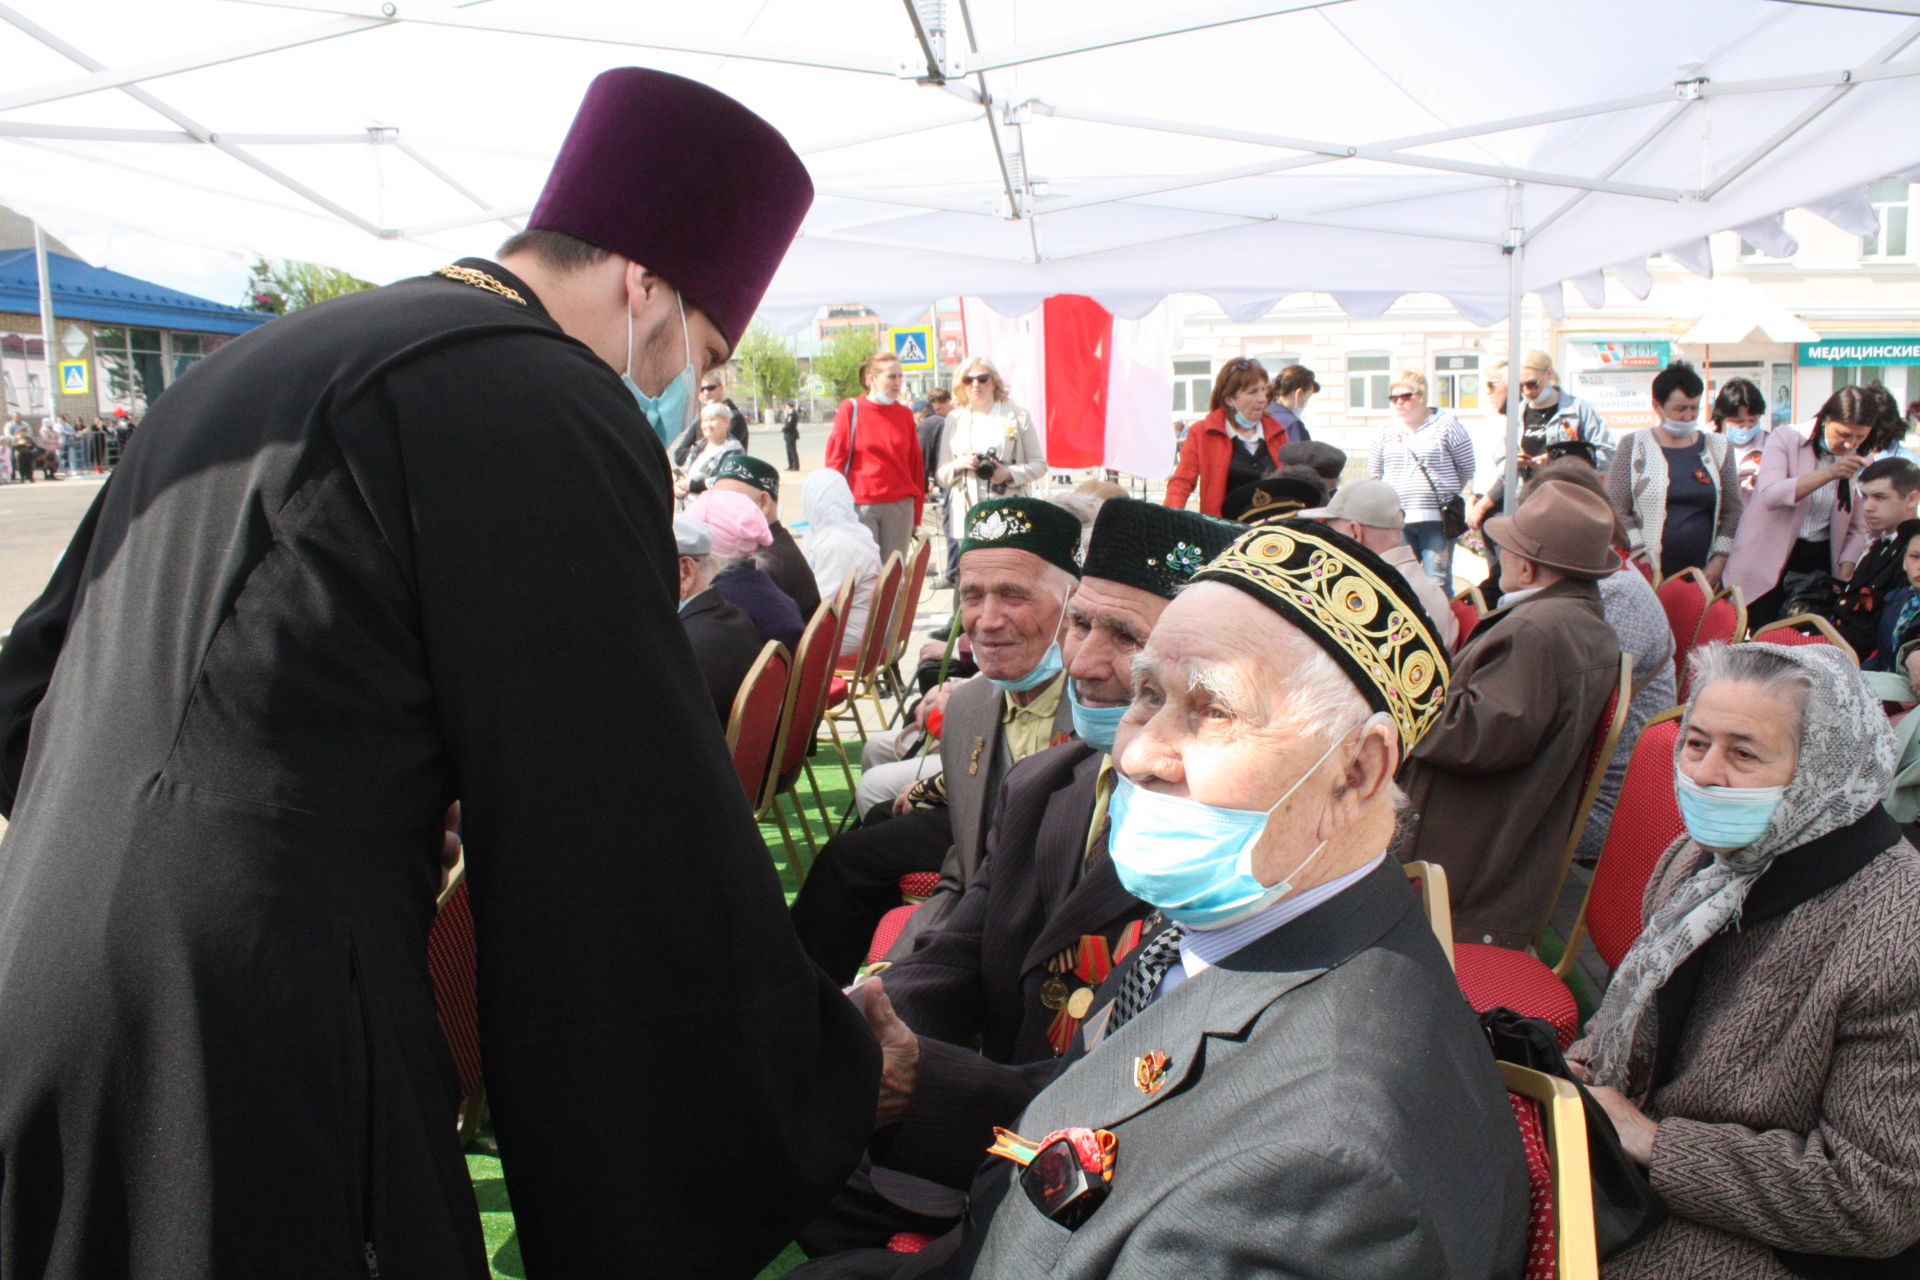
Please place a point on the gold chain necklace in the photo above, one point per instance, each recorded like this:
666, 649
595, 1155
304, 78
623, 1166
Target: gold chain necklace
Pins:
480, 280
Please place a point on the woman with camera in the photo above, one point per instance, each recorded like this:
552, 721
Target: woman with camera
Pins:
989, 448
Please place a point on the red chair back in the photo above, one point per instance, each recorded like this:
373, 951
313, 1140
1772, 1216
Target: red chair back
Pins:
1468, 617
754, 726
1639, 560
1724, 622
1646, 820
1820, 631
812, 673
842, 605
911, 585
1543, 1240
1684, 597
451, 964
879, 632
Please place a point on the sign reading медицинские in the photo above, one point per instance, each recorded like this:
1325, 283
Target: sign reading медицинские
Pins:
1861, 351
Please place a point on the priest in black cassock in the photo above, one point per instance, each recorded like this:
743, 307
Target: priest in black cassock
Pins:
326, 594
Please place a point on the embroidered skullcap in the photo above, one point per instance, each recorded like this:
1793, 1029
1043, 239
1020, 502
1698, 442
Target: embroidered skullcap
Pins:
1025, 524
1352, 604
749, 470
640, 142
1152, 547
738, 527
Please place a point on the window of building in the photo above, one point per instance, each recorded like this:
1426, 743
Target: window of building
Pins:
1192, 385
132, 367
1369, 374
187, 348
1274, 362
1903, 381
1892, 202
1456, 382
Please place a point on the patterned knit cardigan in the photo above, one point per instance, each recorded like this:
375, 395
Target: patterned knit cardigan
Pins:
1637, 484
1790, 1118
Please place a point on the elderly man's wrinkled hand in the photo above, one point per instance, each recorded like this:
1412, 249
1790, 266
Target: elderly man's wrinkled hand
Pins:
899, 1051
1636, 1129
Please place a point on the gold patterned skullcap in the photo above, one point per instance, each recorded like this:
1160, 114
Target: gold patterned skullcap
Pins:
1354, 605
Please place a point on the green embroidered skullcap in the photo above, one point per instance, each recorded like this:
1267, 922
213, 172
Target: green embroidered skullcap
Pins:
1025, 524
1355, 606
749, 470
1154, 548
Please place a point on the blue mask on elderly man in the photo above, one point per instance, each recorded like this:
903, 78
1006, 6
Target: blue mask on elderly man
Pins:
1725, 817
1195, 861
1095, 726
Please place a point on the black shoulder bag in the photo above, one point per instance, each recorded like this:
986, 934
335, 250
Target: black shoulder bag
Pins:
1625, 1205
1453, 511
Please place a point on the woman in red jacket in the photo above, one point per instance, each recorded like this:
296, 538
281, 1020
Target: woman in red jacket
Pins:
1237, 443
875, 443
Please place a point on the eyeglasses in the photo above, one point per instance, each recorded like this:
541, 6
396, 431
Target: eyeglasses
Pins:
1530, 384
1398, 396
710, 386
978, 377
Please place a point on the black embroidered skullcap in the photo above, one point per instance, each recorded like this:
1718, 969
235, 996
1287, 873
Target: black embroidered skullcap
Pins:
749, 470
1155, 548
1352, 604
1025, 524
1284, 493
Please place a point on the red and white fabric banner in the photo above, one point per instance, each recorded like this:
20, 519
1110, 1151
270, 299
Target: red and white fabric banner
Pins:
1099, 387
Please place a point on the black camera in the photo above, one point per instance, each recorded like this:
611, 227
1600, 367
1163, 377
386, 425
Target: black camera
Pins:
987, 463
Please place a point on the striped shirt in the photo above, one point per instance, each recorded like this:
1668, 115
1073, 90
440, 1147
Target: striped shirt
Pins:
1442, 447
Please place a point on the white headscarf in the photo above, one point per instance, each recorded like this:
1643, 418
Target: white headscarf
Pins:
837, 545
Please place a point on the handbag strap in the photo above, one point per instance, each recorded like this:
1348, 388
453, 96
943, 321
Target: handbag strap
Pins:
846, 468
1438, 501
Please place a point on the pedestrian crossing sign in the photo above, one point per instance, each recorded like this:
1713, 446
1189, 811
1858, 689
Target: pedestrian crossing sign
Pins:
73, 377
915, 349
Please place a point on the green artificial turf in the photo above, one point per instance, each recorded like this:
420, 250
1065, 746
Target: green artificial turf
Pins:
490, 1188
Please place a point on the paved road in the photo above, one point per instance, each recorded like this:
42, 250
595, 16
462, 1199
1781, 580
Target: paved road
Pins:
36, 523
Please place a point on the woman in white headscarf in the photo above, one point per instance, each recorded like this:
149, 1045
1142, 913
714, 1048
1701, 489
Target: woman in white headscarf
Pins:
837, 545
1759, 1048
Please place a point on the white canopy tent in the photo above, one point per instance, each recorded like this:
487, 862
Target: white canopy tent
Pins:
1007, 149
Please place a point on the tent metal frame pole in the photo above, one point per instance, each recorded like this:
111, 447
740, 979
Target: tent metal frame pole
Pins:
48, 352
1516, 251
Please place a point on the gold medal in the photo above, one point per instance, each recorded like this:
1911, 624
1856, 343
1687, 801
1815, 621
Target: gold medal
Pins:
1053, 992
1079, 1002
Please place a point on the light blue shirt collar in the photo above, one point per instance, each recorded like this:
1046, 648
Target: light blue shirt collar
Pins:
1201, 949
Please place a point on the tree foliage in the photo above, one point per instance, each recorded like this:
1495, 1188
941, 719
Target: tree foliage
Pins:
765, 365
838, 366
278, 287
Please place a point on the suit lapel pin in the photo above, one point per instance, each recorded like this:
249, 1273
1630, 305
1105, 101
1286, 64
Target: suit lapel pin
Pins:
1150, 1071
973, 765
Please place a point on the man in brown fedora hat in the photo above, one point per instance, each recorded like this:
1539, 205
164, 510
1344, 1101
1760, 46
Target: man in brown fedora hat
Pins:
1494, 787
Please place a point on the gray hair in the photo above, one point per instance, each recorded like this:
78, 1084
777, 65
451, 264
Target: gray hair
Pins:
1780, 676
717, 409
1084, 507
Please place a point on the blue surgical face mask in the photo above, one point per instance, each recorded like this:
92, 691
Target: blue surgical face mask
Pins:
1246, 423
1195, 861
675, 409
1743, 435
1050, 665
1096, 726
1725, 818
1673, 428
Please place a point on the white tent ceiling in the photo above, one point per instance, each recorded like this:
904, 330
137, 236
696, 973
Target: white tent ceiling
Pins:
1007, 149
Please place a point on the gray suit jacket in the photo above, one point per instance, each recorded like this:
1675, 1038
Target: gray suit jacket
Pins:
971, 744
1330, 1110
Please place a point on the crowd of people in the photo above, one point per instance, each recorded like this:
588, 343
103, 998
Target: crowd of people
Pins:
59, 446
1170, 1003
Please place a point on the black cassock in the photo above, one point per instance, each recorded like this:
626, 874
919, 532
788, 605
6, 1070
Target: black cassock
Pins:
400, 548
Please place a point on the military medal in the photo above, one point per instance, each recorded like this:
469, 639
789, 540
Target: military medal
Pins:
1053, 992
1079, 1002
1066, 1174
1090, 961
973, 765
1150, 1071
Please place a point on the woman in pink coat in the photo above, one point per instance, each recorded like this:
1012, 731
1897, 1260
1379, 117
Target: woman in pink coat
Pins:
1803, 519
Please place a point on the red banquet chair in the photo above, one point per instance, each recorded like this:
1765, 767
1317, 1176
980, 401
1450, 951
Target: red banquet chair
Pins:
1642, 562
1646, 822
1724, 622
1684, 596
859, 676
913, 582
1804, 628
1553, 1129
799, 721
451, 965
753, 728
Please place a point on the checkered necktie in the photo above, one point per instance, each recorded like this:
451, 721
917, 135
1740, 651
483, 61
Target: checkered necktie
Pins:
1143, 980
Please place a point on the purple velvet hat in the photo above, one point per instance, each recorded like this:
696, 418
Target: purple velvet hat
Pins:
641, 141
